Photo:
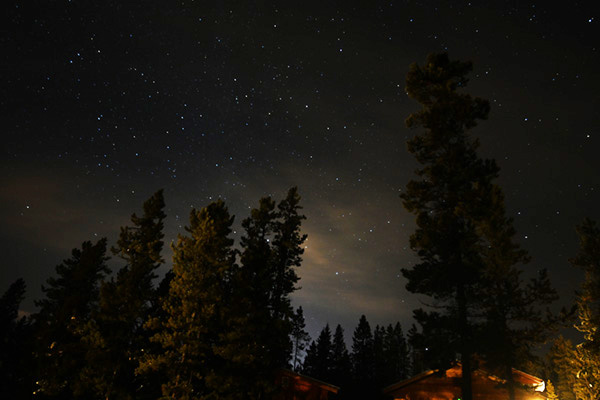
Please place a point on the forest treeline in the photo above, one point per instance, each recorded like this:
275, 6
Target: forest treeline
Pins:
217, 325
220, 324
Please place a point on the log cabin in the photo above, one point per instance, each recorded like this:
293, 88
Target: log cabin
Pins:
445, 385
295, 386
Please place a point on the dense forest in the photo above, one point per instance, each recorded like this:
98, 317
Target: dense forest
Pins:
221, 324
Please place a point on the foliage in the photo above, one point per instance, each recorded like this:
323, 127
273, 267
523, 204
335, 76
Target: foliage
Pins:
15, 338
447, 199
115, 334
300, 339
71, 299
319, 361
363, 361
587, 353
196, 306
465, 242
341, 364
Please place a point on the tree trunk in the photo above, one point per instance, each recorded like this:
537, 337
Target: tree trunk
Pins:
465, 348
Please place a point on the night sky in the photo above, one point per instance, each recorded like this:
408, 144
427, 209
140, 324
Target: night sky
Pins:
105, 102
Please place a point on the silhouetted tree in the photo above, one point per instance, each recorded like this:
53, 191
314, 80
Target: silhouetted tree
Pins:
395, 354
362, 360
319, 364
196, 306
341, 364
70, 300
309, 367
257, 340
379, 357
300, 339
115, 334
15, 345
451, 198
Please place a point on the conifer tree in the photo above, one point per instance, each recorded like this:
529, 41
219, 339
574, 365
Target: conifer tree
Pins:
256, 343
380, 363
395, 351
587, 372
563, 366
453, 200
341, 364
195, 308
115, 335
15, 337
515, 316
319, 364
311, 360
362, 359
300, 338
70, 300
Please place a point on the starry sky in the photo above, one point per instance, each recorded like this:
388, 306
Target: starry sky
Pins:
103, 103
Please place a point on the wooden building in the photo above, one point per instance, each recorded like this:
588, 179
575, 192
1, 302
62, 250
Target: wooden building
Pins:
295, 386
445, 385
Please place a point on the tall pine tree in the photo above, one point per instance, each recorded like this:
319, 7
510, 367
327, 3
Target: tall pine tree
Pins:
195, 307
395, 353
300, 339
587, 354
363, 361
15, 345
256, 343
115, 335
451, 200
318, 363
341, 364
70, 300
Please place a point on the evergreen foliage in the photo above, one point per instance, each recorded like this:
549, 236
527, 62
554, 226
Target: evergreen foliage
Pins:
71, 299
196, 306
256, 342
115, 334
447, 198
587, 354
463, 238
363, 361
300, 339
319, 361
515, 314
395, 355
341, 363
563, 365
15, 345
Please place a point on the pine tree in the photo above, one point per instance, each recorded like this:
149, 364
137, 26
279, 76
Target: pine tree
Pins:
196, 307
587, 353
563, 366
515, 316
395, 351
319, 364
71, 299
257, 342
451, 200
15, 338
341, 364
362, 359
300, 339
309, 367
380, 362
115, 335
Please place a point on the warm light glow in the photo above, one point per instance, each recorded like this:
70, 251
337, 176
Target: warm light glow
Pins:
540, 387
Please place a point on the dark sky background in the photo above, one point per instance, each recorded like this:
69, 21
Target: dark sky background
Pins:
105, 102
